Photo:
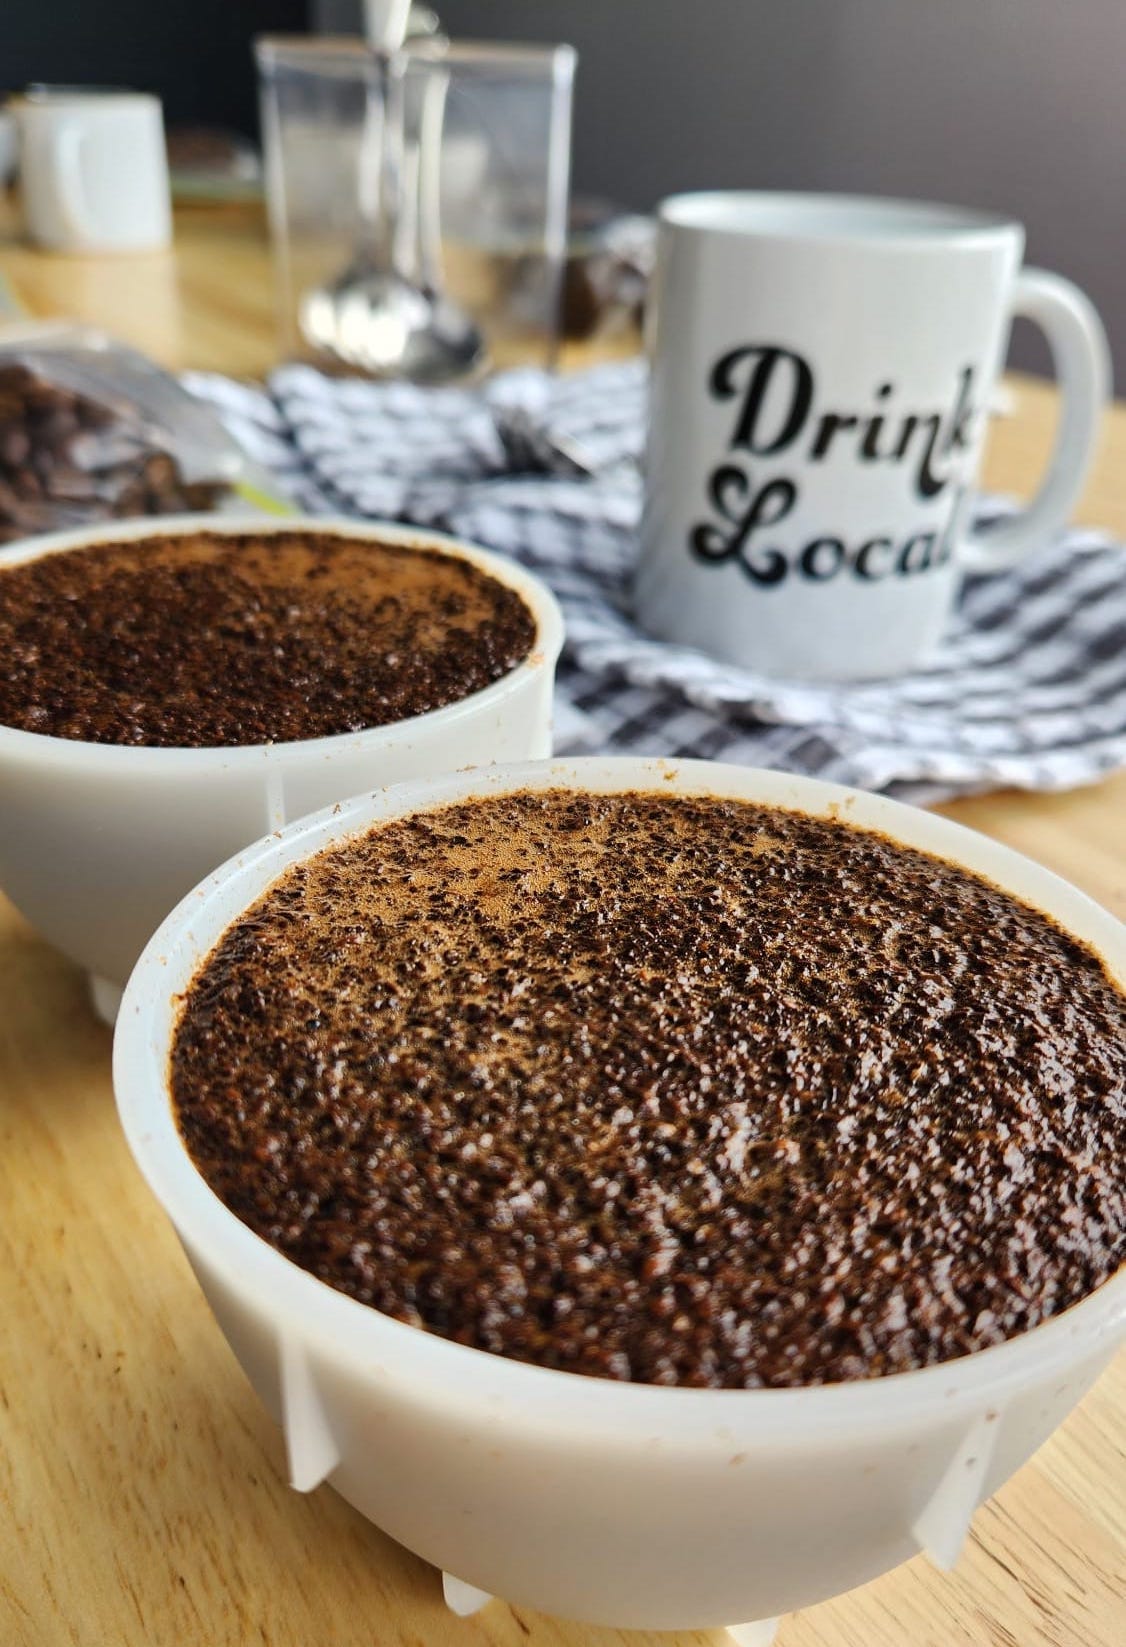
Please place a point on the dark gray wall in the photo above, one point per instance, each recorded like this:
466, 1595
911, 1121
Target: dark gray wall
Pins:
1018, 105
194, 54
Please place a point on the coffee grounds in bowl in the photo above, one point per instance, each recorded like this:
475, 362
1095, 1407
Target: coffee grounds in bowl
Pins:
683, 1091
210, 639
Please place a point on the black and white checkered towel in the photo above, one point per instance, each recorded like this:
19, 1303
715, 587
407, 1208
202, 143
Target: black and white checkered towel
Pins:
1029, 688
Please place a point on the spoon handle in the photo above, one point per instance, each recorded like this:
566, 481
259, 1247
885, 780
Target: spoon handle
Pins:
390, 66
431, 121
379, 166
385, 23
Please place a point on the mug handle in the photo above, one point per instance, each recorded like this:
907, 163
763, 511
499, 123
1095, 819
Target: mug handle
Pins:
66, 142
1081, 356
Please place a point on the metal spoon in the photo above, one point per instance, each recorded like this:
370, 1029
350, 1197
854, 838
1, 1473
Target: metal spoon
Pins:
377, 315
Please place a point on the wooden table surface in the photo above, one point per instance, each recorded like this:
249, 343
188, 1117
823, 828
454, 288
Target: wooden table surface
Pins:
142, 1489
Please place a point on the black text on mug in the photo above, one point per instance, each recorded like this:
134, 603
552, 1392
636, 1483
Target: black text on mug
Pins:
775, 395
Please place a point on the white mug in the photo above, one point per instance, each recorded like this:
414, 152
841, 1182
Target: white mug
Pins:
821, 370
94, 171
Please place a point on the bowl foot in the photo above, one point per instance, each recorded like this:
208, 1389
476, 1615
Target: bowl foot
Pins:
941, 1527
105, 998
309, 1443
760, 1632
461, 1598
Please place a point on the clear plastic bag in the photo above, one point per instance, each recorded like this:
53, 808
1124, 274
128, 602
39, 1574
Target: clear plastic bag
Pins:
92, 430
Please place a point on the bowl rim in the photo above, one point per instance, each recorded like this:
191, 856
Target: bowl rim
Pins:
46, 750
338, 1329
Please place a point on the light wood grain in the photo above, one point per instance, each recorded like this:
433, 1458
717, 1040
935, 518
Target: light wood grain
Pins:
142, 1495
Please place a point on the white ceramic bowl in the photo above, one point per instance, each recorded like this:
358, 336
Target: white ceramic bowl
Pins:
98, 841
622, 1504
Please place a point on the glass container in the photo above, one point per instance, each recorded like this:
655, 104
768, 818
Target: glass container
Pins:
500, 214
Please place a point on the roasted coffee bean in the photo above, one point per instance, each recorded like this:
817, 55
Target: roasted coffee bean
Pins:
160, 473
27, 483
15, 446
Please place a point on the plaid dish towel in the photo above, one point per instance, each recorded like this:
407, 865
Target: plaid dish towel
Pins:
1029, 688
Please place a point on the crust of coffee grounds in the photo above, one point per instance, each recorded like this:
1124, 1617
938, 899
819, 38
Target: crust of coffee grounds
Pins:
670, 1090
214, 639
